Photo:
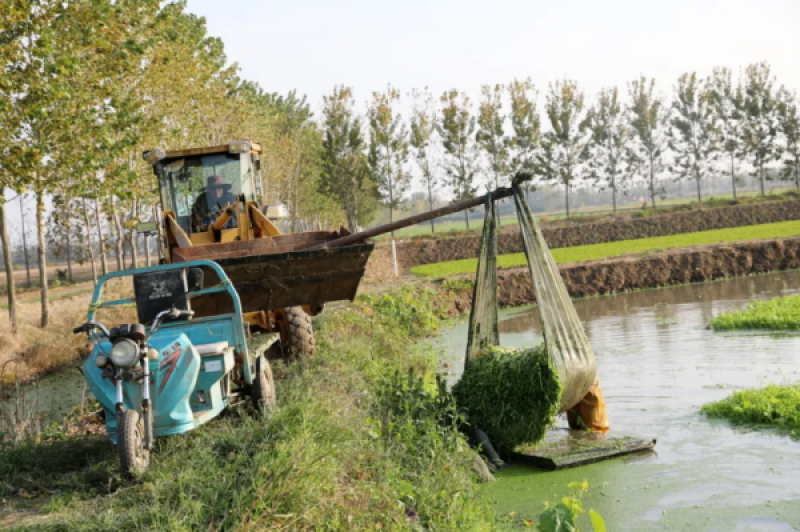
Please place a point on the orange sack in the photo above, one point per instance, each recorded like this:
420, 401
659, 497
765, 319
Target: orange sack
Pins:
591, 411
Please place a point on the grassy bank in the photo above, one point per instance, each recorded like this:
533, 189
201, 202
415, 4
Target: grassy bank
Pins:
615, 249
355, 443
779, 314
774, 405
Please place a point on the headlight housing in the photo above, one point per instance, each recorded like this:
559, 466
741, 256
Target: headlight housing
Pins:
124, 353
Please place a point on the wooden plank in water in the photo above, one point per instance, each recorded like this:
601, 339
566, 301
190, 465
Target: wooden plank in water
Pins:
563, 448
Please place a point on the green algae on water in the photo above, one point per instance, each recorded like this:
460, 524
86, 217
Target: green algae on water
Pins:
512, 395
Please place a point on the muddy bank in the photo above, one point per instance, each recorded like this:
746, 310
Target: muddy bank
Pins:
674, 267
415, 253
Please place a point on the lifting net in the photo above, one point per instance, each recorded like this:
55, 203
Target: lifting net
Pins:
567, 345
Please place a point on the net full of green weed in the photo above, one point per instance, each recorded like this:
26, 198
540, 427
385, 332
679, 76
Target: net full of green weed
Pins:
510, 394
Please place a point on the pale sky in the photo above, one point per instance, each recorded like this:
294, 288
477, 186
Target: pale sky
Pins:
313, 45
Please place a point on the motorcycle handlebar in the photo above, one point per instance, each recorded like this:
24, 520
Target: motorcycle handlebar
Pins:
89, 326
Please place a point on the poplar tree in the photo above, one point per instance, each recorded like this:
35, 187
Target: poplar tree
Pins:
693, 134
727, 105
609, 153
456, 127
388, 148
36, 70
525, 126
491, 135
789, 123
345, 173
423, 125
761, 119
564, 154
648, 120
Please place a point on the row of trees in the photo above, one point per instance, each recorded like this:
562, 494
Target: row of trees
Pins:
708, 127
88, 85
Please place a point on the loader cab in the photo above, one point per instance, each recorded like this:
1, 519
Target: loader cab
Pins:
184, 186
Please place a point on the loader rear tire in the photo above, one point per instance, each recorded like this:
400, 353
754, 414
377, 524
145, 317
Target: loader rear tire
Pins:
297, 334
133, 457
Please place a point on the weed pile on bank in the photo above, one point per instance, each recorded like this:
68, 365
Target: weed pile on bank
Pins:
360, 440
781, 313
776, 405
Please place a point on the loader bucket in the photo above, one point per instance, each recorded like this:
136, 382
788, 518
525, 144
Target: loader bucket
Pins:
281, 271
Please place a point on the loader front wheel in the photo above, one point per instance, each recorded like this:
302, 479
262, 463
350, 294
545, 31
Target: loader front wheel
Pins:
133, 456
263, 388
297, 333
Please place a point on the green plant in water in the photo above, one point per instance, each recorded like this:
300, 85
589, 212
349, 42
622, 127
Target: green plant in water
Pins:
779, 314
776, 405
563, 517
510, 394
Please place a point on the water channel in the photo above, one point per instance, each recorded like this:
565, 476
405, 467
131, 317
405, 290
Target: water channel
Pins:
658, 365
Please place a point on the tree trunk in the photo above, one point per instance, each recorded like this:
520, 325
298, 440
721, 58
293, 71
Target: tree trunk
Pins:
133, 236
761, 177
89, 242
697, 179
25, 242
797, 174
69, 249
566, 197
391, 211
101, 239
349, 213
157, 218
42, 259
430, 205
652, 182
118, 243
614, 192
733, 176
466, 218
11, 289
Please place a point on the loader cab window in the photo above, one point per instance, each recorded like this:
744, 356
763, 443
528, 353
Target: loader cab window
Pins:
183, 182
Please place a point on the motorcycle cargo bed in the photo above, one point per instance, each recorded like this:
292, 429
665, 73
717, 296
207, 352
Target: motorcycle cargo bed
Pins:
277, 272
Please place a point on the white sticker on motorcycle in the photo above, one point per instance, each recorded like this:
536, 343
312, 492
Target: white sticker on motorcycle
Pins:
213, 365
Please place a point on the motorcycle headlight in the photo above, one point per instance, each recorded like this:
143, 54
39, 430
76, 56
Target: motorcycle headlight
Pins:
124, 353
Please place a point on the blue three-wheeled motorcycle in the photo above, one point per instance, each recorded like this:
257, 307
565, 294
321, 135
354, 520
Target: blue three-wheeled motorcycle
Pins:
170, 373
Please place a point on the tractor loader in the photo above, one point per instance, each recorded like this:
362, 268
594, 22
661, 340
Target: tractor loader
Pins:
282, 279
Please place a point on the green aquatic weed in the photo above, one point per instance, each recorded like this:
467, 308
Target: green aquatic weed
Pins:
511, 394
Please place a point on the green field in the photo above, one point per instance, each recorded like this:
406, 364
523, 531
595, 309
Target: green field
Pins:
780, 314
477, 224
615, 249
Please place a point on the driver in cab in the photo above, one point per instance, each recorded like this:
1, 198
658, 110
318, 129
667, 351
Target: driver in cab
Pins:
212, 201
